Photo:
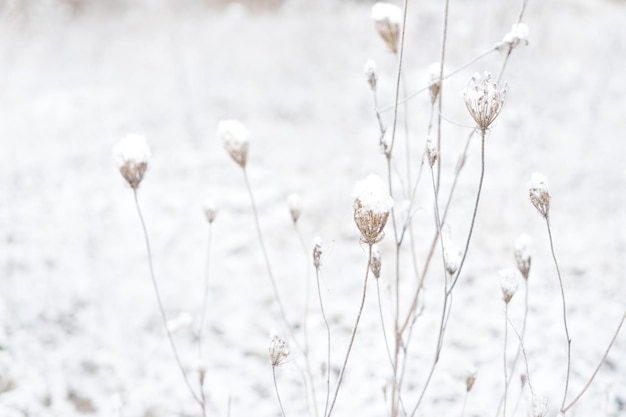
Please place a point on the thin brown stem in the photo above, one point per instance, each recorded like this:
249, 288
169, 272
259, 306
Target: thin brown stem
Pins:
319, 294
280, 403
398, 78
506, 372
205, 296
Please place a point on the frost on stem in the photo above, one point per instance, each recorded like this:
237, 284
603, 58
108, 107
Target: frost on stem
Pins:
132, 155
236, 139
294, 201
509, 281
318, 250
369, 70
522, 254
483, 99
375, 263
372, 205
279, 350
388, 19
516, 37
210, 210
539, 194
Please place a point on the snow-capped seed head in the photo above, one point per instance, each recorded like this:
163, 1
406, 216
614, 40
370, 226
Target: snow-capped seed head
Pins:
370, 73
372, 205
279, 350
452, 256
431, 152
434, 70
132, 155
210, 209
516, 37
388, 19
470, 379
375, 263
483, 99
318, 250
539, 194
294, 201
522, 254
509, 281
236, 138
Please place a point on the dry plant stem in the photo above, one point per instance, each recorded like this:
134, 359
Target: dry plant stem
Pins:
282, 409
569, 340
319, 294
205, 296
595, 372
464, 403
160, 303
506, 372
398, 78
440, 103
266, 258
354, 330
521, 343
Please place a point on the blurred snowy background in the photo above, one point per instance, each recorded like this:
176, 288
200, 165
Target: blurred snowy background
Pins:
79, 327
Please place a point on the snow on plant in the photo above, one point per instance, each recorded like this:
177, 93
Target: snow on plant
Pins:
483, 99
294, 201
132, 155
318, 250
369, 69
517, 36
236, 139
375, 263
539, 194
509, 281
372, 205
278, 350
388, 19
522, 254
434, 72
210, 209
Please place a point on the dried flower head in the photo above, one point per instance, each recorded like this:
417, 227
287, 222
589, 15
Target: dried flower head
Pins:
210, 209
132, 155
434, 87
431, 152
294, 201
318, 250
452, 256
470, 379
483, 99
388, 19
375, 263
539, 194
517, 36
522, 254
509, 281
372, 205
370, 73
279, 350
236, 138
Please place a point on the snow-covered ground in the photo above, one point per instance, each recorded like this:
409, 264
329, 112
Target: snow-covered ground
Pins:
80, 332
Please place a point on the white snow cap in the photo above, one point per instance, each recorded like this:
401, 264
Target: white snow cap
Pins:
522, 247
236, 138
538, 182
132, 148
387, 11
372, 195
509, 281
433, 71
517, 36
369, 69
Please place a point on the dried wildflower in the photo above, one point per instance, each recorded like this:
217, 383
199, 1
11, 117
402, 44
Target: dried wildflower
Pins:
539, 194
318, 250
452, 257
375, 263
132, 155
279, 350
470, 379
210, 210
388, 19
370, 73
372, 205
509, 281
236, 138
294, 201
522, 254
431, 152
483, 100
517, 36
434, 87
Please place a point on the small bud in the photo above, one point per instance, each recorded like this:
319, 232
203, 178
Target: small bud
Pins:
370, 73
210, 210
372, 205
236, 138
483, 100
452, 256
539, 194
375, 263
517, 36
279, 350
522, 254
132, 155
294, 201
388, 19
318, 250
434, 87
523, 378
431, 152
470, 379
509, 281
